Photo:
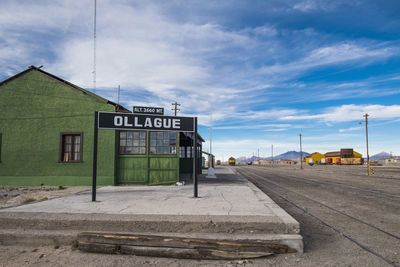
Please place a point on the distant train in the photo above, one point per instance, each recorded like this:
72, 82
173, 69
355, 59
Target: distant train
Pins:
232, 161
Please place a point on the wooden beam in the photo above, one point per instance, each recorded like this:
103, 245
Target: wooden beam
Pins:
179, 247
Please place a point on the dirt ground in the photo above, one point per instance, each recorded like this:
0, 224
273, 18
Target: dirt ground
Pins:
323, 246
339, 187
11, 196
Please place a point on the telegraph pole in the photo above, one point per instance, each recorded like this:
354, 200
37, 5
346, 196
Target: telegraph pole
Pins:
301, 154
175, 109
366, 137
210, 171
272, 155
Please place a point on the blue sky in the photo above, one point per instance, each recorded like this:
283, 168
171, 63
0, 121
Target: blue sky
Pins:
270, 69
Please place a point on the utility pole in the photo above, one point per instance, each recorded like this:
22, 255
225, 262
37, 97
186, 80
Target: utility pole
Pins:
272, 155
175, 109
301, 154
210, 171
258, 153
366, 137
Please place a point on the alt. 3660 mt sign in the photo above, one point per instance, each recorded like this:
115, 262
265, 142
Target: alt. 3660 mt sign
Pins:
148, 110
109, 120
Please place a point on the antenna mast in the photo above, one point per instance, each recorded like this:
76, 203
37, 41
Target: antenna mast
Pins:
119, 89
94, 47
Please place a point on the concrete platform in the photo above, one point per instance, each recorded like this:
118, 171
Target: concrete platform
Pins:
228, 207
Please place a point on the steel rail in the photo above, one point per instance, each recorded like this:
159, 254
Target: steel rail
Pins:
329, 225
327, 206
345, 185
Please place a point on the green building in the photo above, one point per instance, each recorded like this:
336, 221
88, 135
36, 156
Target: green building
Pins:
46, 138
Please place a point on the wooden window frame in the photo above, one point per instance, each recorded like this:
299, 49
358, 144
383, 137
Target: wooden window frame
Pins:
168, 154
61, 158
145, 147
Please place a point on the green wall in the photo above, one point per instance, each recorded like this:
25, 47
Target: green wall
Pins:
34, 109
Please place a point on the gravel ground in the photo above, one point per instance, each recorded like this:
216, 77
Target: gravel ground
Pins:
323, 246
11, 196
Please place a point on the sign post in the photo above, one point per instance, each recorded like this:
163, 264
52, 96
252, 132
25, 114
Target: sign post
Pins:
144, 122
195, 159
95, 135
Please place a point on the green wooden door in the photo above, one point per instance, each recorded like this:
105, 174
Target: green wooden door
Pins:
133, 170
145, 168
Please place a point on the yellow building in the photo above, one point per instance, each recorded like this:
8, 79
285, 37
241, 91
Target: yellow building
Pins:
333, 157
346, 156
314, 158
356, 155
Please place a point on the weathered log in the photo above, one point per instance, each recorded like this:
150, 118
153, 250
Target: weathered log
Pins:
181, 253
209, 246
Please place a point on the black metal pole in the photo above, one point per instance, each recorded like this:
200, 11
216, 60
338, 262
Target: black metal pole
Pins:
195, 180
95, 133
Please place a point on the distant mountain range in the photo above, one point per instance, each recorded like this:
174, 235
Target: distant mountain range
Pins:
293, 155
382, 155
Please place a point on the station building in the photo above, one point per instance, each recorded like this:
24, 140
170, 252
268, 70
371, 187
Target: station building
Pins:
346, 156
46, 138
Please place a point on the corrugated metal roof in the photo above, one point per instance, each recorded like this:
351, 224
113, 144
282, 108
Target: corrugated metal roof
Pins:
333, 154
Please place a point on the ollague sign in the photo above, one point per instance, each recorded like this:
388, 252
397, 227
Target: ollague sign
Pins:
127, 121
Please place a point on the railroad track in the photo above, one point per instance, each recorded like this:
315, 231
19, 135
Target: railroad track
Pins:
368, 190
265, 184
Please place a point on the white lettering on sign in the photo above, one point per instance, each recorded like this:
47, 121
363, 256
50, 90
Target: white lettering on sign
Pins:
137, 124
167, 123
126, 122
176, 123
148, 110
148, 123
118, 120
157, 123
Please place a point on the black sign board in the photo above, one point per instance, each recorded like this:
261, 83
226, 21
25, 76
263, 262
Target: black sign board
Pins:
108, 120
148, 110
127, 121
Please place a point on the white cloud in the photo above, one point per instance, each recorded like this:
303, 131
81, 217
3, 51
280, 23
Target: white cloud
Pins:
350, 129
351, 113
249, 127
251, 75
340, 53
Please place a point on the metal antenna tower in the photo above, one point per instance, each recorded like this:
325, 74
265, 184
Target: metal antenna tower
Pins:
119, 90
94, 46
